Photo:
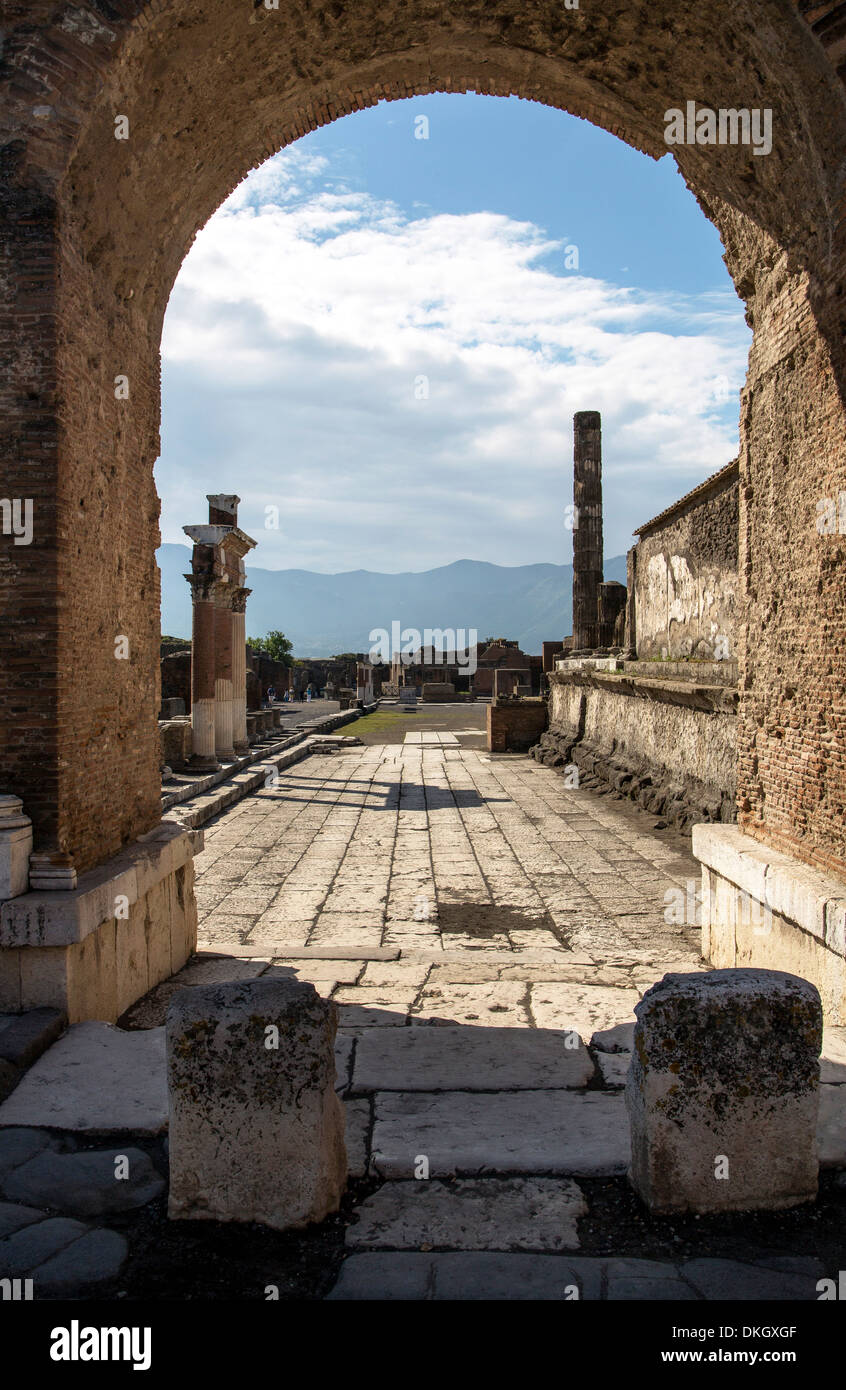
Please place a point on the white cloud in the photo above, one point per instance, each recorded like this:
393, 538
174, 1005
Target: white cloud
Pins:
304, 315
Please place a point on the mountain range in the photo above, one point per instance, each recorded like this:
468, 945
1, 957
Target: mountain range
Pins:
325, 614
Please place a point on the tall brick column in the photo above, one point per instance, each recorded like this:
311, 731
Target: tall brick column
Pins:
223, 678
203, 634
219, 549
240, 741
587, 530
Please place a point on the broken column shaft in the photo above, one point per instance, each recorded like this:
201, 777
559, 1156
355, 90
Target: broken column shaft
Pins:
587, 528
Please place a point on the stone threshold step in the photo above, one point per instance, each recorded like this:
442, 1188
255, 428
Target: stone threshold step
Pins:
269, 950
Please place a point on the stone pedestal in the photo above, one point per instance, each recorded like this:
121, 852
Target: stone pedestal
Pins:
722, 1092
92, 951
15, 847
256, 1129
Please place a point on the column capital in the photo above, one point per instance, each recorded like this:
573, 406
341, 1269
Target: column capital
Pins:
238, 598
205, 587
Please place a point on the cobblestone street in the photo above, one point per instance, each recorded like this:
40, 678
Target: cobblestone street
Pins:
485, 931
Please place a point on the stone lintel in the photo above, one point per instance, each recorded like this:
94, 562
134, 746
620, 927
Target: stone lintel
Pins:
63, 918
807, 898
230, 537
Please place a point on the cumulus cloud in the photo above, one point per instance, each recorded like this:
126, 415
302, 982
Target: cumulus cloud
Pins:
401, 385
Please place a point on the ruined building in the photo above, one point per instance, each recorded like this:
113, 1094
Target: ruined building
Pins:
644, 699
94, 232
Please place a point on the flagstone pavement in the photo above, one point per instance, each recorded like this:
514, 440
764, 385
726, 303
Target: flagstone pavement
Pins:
485, 932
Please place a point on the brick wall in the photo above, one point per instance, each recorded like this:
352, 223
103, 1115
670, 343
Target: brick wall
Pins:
514, 728
94, 232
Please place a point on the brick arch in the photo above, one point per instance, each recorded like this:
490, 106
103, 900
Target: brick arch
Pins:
98, 229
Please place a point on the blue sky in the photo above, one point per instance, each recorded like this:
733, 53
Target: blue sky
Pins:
379, 341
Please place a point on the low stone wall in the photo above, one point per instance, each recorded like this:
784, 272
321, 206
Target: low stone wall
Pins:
514, 728
760, 907
434, 691
91, 953
669, 745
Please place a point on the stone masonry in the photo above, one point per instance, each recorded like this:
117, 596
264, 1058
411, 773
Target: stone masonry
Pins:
96, 228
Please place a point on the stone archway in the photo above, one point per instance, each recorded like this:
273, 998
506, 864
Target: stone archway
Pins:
126, 125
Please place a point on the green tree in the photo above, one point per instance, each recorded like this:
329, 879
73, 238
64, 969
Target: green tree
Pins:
275, 645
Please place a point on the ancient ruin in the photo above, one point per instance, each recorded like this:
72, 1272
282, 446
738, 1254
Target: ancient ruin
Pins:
484, 924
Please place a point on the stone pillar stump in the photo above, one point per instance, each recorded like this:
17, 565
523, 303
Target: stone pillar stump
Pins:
722, 1092
256, 1129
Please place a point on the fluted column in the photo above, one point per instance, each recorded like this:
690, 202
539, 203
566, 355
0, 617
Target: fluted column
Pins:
223, 680
203, 672
239, 670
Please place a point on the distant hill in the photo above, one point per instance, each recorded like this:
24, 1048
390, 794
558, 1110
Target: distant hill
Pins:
328, 613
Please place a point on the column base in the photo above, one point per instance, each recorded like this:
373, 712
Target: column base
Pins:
762, 907
241, 748
51, 873
199, 763
129, 924
227, 755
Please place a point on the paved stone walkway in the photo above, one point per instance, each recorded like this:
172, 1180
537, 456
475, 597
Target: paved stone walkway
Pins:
524, 920
485, 932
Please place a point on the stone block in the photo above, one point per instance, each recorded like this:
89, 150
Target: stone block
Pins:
471, 1214
97, 1079
722, 1092
256, 1129
15, 847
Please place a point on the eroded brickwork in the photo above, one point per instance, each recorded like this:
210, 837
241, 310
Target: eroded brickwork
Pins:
96, 228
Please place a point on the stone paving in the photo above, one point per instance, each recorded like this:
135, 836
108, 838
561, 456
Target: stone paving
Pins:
485, 932
524, 919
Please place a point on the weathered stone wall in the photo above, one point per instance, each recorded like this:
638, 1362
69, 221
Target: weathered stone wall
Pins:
670, 746
686, 582
95, 229
176, 677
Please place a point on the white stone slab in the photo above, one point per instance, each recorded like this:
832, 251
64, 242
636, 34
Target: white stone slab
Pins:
471, 1214
472, 1059
96, 1079
580, 1133
587, 1008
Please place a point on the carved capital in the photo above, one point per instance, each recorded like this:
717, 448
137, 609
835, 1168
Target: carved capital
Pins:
205, 587
238, 598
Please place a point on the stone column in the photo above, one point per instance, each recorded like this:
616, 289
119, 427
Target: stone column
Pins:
223, 679
587, 529
240, 741
203, 673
